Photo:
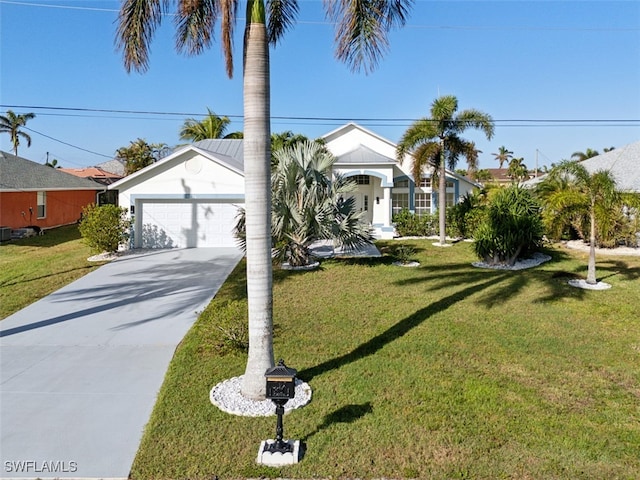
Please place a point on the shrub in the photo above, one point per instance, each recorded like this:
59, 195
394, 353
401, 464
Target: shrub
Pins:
104, 227
409, 224
511, 229
464, 217
231, 326
404, 253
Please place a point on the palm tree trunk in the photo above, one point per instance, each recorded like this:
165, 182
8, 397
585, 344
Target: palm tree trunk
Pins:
258, 206
442, 198
591, 267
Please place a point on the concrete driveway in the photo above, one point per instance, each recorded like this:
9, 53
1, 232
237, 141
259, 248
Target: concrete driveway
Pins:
81, 368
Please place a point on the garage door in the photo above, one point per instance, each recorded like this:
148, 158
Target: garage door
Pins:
187, 224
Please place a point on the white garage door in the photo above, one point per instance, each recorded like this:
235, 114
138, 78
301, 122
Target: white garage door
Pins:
187, 224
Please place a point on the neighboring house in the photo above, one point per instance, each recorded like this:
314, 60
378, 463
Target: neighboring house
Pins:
190, 198
96, 174
32, 194
500, 176
622, 162
115, 166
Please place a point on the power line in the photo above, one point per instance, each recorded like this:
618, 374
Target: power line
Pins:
68, 144
512, 122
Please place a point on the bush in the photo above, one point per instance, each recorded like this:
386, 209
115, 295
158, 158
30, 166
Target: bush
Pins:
464, 217
104, 227
404, 253
409, 224
511, 229
231, 332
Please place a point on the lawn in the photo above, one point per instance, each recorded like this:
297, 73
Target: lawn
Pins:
442, 371
31, 268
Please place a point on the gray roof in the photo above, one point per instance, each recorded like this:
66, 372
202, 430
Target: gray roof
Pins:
20, 174
622, 162
115, 166
364, 155
229, 150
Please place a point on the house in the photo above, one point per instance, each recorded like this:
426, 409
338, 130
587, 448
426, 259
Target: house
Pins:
96, 174
32, 194
622, 162
190, 198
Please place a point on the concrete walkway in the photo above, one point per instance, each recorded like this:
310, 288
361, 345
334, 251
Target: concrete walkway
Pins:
81, 368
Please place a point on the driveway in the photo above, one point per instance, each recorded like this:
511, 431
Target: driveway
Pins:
81, 368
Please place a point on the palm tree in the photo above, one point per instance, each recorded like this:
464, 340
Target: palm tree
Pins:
212, 126
11, 124
435, 143
308, 204
503, 155
518, 171
581, 194
361, 36
588, 153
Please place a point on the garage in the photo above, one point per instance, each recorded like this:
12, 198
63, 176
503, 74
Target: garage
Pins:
185, 223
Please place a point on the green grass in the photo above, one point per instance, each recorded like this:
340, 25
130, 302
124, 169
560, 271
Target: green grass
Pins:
31, 268
442, 371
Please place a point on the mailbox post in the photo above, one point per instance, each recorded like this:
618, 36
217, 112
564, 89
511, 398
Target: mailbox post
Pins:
281, 382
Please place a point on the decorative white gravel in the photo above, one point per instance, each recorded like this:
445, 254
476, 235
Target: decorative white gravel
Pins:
589, 286
537, 259
227, 397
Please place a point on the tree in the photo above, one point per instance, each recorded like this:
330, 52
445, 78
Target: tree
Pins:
518, 171
435, 143
104, 228
11, 123
580, 156
511, 228
573, 195
282, 140
361, 35
212, 126
140, 154
503, 156
309, 205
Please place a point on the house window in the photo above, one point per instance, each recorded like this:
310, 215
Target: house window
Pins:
42, 204
449, 184
404, 183
399, 202
422, 203
425, 182
361, 179
450, 200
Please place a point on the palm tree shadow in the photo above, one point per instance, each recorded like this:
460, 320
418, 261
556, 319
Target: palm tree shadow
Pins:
394, 332
347, 414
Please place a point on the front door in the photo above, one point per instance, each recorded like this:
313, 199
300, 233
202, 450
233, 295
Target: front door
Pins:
363, 204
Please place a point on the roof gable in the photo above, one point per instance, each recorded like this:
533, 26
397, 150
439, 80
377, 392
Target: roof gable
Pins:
364, 155
20, 174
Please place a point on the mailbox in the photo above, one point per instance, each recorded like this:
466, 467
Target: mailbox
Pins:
281, 382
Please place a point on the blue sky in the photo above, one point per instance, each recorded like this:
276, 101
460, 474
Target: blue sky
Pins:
557, 77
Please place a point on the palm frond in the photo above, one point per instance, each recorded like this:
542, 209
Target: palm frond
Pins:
137, 23
282, 15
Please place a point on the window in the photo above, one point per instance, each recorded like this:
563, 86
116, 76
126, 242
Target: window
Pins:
450, 201
423, 203
425, 182
404, 183
449, 184
42, 204
399, 202
361, 179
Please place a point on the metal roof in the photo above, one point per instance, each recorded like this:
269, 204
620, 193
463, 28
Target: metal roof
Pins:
20, 174
364, 155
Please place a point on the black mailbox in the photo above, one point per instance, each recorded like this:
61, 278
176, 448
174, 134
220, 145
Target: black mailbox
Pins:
281, 382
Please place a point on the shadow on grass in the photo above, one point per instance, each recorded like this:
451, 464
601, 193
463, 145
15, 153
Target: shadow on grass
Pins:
54, 274
394, 332
347, 414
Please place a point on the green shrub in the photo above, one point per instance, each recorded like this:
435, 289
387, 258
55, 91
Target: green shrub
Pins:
104, 227
464, 217
404, 253
411, 225
511, 229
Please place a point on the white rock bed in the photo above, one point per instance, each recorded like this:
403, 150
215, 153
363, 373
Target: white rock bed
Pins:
227, 397
537, 259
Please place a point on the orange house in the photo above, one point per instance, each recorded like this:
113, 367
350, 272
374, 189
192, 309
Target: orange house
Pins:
32, 194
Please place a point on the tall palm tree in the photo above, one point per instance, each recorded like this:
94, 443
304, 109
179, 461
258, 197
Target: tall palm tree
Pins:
362, 29
212, 126
518, 171
588, 153
503, 155
11, 124
592, 195
435, 143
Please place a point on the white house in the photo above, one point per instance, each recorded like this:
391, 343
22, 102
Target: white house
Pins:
191, 197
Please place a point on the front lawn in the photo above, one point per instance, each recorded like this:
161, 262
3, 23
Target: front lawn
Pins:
32, 268
442, 371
